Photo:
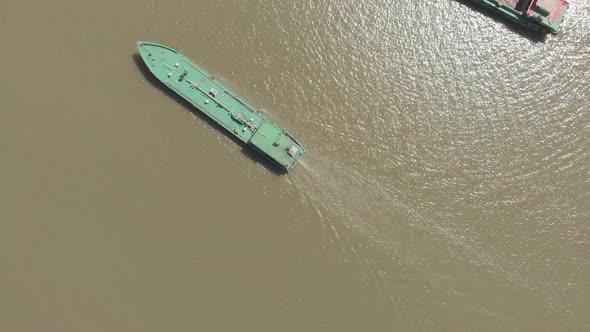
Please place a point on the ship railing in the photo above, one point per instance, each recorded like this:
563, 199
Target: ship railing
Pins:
234, 115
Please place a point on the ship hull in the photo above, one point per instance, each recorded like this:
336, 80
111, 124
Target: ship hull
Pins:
543, 16
212, 98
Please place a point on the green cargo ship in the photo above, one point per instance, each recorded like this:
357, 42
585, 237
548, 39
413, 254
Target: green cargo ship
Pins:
539, 15
219, 103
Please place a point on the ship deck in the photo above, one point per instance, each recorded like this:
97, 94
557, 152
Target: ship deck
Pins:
215, 100
539, 15
509, 3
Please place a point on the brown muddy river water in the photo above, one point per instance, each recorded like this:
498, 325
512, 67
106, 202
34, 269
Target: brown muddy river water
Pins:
445, 185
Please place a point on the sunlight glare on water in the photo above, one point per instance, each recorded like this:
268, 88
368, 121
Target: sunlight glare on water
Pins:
445, 184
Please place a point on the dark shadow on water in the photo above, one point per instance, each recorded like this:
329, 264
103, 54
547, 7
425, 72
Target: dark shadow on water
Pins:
246, 150
534, 36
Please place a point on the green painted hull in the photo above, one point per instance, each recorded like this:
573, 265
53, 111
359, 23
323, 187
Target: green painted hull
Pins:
219, 103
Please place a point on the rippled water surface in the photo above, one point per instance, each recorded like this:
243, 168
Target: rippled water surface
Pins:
446, 183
